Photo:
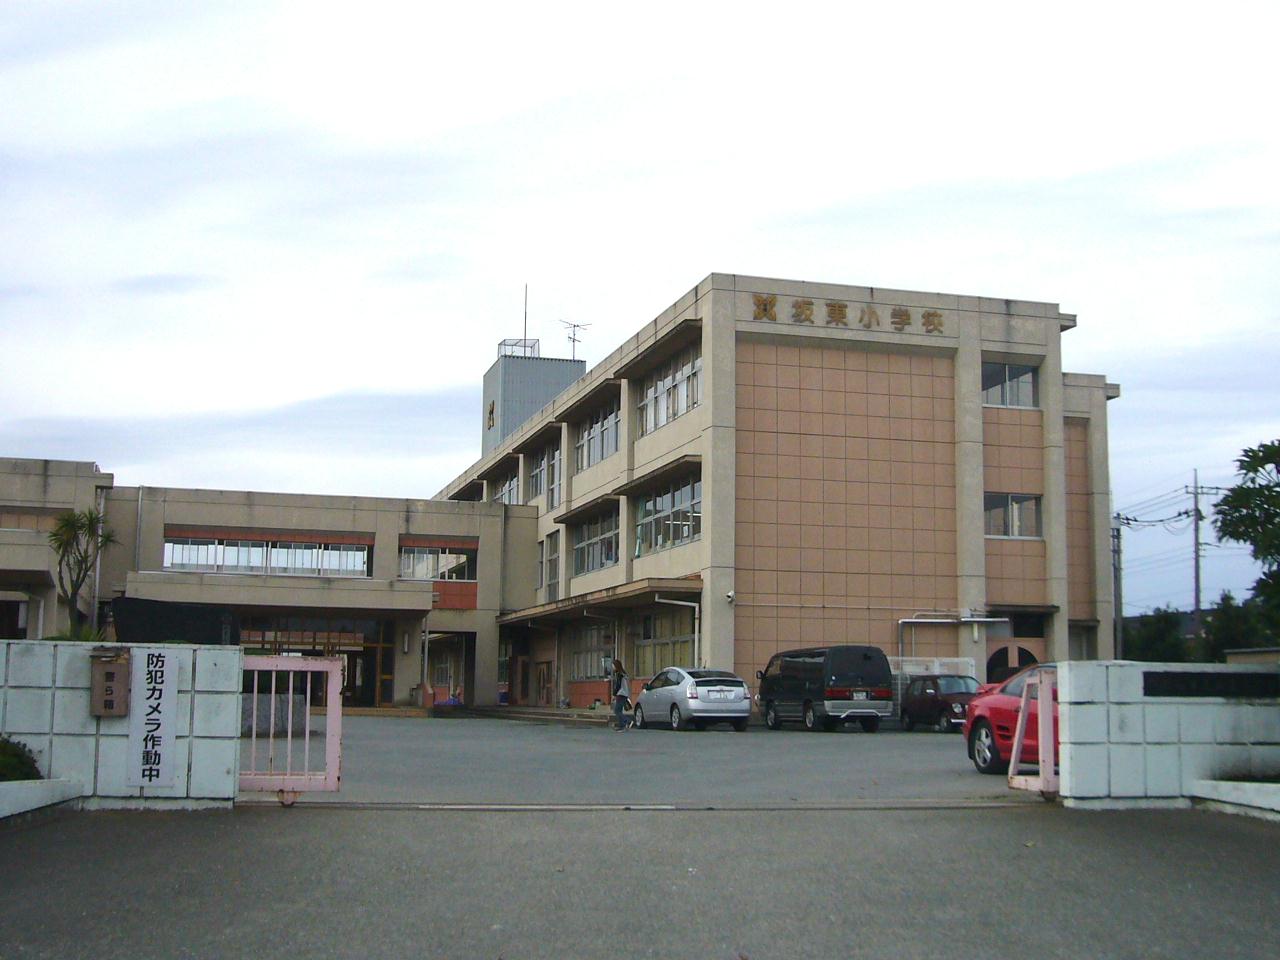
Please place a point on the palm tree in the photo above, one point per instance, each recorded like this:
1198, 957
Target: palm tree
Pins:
78, 538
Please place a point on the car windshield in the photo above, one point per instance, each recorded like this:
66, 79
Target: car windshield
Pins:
957, 684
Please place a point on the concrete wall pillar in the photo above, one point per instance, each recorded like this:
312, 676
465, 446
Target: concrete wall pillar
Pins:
1054, 502
482, 688
719, 478
971, 552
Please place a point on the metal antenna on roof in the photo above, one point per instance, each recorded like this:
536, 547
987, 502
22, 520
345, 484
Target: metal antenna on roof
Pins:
526, 312
573, 336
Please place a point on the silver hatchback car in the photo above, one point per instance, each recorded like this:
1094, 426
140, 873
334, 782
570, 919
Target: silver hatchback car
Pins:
688, 696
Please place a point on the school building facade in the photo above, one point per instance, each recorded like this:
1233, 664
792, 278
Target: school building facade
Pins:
772, 464
768, 464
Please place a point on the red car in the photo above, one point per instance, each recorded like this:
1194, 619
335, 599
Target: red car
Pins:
991, 719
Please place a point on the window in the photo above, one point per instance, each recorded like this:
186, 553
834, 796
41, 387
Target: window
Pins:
441, 678
542, 551
537, 477
1012, 515
553, 565
671, 391
554, 472
595, 544
669, 517
590, 649
504, 490
438, 563
666, 640
597, 438
1010, 385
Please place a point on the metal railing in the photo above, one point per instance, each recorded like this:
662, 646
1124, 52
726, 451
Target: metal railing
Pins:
277, 721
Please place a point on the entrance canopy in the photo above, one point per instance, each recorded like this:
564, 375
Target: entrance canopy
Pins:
637, 593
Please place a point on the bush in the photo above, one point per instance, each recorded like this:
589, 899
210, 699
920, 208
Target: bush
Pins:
16, 761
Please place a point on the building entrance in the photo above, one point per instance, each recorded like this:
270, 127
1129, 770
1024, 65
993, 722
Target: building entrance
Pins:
365, 645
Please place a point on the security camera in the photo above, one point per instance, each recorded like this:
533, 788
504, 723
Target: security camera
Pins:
729, 596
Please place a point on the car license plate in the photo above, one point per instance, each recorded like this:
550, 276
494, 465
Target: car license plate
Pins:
719, 694
858, 695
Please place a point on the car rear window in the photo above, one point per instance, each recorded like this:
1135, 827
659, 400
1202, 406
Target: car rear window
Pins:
859, 667
730, 681
699, 674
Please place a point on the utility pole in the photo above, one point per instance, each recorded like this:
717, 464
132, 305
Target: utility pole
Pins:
1117, 574
1195, 527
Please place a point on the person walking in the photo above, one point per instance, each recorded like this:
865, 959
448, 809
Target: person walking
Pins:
620, 685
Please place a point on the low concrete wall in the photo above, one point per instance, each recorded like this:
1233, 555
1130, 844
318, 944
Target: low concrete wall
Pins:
44, 702
20, 796
1120, 746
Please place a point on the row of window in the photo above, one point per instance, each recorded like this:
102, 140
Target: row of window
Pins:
595, 544
261, 556
671, 391
312, 559
669, 517
597, 437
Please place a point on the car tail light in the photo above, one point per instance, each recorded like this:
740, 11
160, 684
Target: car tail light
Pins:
691, 691
838, 693
882, 693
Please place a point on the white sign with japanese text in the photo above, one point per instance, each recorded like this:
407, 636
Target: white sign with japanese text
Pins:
153, 717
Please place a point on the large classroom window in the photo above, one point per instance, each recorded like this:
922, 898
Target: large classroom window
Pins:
1011, 515
597, 437
669, 516
291, 558
438, 563
595, 544
671, 391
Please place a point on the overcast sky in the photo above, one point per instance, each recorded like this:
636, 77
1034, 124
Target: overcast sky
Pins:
274, 246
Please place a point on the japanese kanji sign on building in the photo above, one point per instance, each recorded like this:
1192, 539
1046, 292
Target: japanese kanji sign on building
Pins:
153, 717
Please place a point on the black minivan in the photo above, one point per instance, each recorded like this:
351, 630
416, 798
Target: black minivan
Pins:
824, 686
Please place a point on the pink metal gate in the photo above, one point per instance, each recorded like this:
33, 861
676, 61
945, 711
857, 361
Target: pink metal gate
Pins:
279, 755
1044, 682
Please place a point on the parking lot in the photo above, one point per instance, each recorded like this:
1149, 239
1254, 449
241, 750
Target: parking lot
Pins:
394, 761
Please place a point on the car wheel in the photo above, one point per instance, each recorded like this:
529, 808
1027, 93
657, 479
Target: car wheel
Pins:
982, 745
869, 724
811, 721
771, 718
740, 725
907, 723
944, 723
678, 722
639, 717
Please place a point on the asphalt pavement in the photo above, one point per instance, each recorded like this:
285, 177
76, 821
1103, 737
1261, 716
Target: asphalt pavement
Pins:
408, 761
321, 882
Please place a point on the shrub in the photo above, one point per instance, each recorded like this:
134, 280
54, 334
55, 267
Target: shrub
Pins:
16, 761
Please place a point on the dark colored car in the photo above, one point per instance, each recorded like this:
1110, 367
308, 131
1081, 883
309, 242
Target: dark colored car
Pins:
991, 719
824, 686
937, 700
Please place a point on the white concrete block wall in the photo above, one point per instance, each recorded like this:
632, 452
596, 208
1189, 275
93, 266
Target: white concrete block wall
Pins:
1118, 745
44, 702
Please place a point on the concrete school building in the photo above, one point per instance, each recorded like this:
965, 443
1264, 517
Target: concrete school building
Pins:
407, 592
767, 464
771, 464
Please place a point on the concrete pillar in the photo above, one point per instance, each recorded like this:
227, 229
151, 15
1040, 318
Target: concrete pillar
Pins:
1054, 502
1100, 524
719, 478
483, 684
971, 550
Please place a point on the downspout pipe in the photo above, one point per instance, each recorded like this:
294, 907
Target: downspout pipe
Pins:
697, 624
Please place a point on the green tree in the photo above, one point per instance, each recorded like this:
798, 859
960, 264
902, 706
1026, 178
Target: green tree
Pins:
1250, 513
1156, 636
1230, 625
78, 539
